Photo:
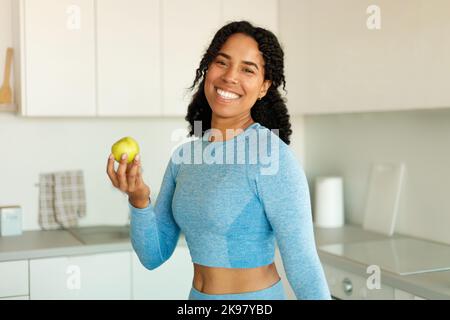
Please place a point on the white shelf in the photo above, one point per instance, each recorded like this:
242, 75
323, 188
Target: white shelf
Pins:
8, 108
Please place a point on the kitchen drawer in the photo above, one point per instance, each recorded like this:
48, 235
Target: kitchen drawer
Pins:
349, 286
403, 295
104, 276
14, 278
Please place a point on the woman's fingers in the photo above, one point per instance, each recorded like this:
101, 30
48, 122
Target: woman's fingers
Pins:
122, 173
139, 180
132, 174
110, 171
128, 177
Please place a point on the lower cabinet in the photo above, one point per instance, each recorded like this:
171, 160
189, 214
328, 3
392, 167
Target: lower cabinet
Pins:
14, 280
349, 286
170, 281
403, 295
97, 276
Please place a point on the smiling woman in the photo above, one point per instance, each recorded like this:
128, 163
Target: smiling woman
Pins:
232, 213
235, 78
238, 80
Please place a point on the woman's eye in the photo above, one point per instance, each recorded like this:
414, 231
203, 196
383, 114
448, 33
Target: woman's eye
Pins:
248, 70
220, 62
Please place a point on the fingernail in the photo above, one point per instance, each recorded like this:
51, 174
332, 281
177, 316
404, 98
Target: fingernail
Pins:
137, 158
124, 156
111, 156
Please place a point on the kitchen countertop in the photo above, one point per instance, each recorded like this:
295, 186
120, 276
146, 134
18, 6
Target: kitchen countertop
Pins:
101, 239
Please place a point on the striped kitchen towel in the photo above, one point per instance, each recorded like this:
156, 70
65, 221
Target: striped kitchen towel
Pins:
62, 199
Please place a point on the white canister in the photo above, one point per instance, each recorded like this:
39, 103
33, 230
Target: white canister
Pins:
329, 202
10, 221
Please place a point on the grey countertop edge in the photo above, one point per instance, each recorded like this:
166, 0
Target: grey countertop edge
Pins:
73, 250
64, 251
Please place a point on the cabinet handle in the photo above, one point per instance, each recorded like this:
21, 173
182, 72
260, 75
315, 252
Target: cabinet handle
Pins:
347, 286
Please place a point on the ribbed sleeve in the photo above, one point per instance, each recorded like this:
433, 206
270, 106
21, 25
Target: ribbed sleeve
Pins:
153, 231
284, 194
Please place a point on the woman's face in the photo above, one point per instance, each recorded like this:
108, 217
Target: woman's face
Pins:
235, 78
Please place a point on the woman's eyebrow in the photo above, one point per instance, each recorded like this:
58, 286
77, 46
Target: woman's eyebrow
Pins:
226, 56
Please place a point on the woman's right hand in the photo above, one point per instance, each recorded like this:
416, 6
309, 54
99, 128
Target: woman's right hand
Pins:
128, 179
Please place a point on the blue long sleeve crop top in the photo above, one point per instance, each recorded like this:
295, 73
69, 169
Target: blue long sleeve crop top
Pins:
232, 199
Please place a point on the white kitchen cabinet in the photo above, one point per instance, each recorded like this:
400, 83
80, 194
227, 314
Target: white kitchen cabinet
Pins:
403, 295
128, 60
98, 276
260, 13
54, 57
16, 298
187, 29
336, 64
170, 281
294, 34
13, 279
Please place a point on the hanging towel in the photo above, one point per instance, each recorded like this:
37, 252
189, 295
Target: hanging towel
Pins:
62, 199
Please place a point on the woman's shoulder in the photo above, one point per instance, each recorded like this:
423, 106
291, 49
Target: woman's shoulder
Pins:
274, 156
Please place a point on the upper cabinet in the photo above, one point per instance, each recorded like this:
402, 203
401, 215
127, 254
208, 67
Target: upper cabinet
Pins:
55, 52
348, 56
115, 57
187, 29
128, 58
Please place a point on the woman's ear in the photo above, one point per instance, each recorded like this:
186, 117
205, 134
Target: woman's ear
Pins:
264, 88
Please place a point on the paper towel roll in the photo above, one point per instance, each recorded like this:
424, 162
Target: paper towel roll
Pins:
329, 202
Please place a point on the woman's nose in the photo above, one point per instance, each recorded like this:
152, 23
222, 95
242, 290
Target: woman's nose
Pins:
230, 76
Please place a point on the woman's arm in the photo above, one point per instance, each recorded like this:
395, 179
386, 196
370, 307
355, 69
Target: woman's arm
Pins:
154, 232
286, 200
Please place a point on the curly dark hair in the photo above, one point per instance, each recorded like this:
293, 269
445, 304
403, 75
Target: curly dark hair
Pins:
271, 110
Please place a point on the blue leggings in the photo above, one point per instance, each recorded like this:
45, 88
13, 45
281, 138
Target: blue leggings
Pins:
275, 292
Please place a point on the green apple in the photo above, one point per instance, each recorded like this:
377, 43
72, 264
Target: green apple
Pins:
125, 145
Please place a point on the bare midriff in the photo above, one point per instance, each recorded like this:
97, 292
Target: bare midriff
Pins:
213, 280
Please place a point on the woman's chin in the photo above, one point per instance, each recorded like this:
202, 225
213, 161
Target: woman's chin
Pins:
223, 111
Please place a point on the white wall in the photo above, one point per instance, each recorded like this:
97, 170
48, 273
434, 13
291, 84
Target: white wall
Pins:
31, 146
348, 144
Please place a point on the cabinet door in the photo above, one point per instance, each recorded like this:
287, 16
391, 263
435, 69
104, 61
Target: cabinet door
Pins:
59, 58
100, 276
13, 278
128, 44
170, 281
260, 13
349, 286
351, 67
403, 295
294, 35
188, 28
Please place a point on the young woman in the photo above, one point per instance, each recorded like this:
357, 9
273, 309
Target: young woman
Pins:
231, 211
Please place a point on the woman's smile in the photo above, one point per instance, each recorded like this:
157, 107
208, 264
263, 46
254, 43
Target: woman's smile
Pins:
225, 96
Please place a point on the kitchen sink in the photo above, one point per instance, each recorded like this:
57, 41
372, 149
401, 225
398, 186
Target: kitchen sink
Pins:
101, 234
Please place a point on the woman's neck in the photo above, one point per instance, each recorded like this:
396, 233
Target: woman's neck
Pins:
222, 125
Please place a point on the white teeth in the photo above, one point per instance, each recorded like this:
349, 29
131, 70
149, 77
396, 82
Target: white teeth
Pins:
227, 94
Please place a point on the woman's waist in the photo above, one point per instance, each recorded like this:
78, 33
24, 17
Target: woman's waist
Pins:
216, 280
